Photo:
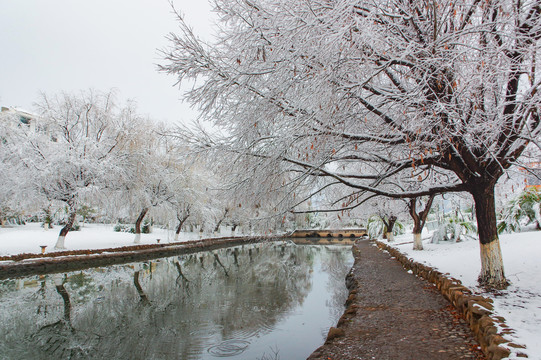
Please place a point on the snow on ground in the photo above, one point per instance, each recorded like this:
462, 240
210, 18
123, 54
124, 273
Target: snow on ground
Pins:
520, 303
28, 238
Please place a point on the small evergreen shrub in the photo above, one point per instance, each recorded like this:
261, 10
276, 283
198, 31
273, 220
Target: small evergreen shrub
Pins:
48, 218
522, 211
454, 229
123, 228
146, 228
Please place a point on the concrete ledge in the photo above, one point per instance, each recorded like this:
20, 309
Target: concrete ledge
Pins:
477, 310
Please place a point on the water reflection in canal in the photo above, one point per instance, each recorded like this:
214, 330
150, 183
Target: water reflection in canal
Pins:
248, 302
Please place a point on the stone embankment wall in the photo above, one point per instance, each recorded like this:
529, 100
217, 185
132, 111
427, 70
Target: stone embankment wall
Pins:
476, 309
74, 260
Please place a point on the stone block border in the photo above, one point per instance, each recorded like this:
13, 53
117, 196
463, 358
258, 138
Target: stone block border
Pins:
477, 310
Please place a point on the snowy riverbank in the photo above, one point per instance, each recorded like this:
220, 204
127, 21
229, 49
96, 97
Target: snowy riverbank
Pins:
520, 304
29, 238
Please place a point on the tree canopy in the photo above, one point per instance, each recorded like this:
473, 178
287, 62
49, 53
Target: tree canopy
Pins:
371, 96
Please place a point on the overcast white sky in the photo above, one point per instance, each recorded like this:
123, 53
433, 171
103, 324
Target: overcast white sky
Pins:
70, 45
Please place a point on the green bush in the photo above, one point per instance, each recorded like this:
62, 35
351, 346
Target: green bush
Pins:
524, 210
86, 212
145, 228
48, 218
123, 228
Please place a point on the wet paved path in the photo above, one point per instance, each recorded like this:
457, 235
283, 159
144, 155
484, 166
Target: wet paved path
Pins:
396, 315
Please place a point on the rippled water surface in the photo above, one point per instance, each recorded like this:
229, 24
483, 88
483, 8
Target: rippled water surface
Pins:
263, 301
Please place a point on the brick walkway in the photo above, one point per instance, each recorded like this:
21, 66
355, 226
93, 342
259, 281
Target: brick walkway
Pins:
395, 315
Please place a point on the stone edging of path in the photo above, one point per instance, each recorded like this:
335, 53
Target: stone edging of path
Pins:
477, 310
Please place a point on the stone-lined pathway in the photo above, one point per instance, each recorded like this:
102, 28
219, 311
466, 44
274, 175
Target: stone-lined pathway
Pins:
392, 314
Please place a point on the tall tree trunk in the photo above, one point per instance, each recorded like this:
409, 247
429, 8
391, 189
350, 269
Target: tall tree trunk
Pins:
138, 225
389, 225
179, 227
201, 229
64, 231
492, 272
419, 220
217, 228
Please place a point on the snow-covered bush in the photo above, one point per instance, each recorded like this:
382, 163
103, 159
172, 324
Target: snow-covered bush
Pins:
376, 227
522, 211
87, 213
121, 228
11, 216
146, 228
47, 218
317, 221
454, 229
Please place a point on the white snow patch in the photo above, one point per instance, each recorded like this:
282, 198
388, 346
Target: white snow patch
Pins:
29, 238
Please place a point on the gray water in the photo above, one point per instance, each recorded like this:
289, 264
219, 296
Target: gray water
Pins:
263, 301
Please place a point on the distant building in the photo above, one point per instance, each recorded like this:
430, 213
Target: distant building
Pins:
20, 117
532, 175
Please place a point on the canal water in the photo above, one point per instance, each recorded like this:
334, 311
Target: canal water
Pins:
262, 301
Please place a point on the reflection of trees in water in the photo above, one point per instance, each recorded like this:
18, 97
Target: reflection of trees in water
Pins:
60, 340
250, 300
177, 305
142, 295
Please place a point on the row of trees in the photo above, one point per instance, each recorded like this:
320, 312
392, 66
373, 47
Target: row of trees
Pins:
344, 100
84, 153
87, 150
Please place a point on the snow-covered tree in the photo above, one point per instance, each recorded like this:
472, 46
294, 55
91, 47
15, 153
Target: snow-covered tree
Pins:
72, 154
416, 86
7, 180
188, 183
17, 196
150, 182
385, 215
